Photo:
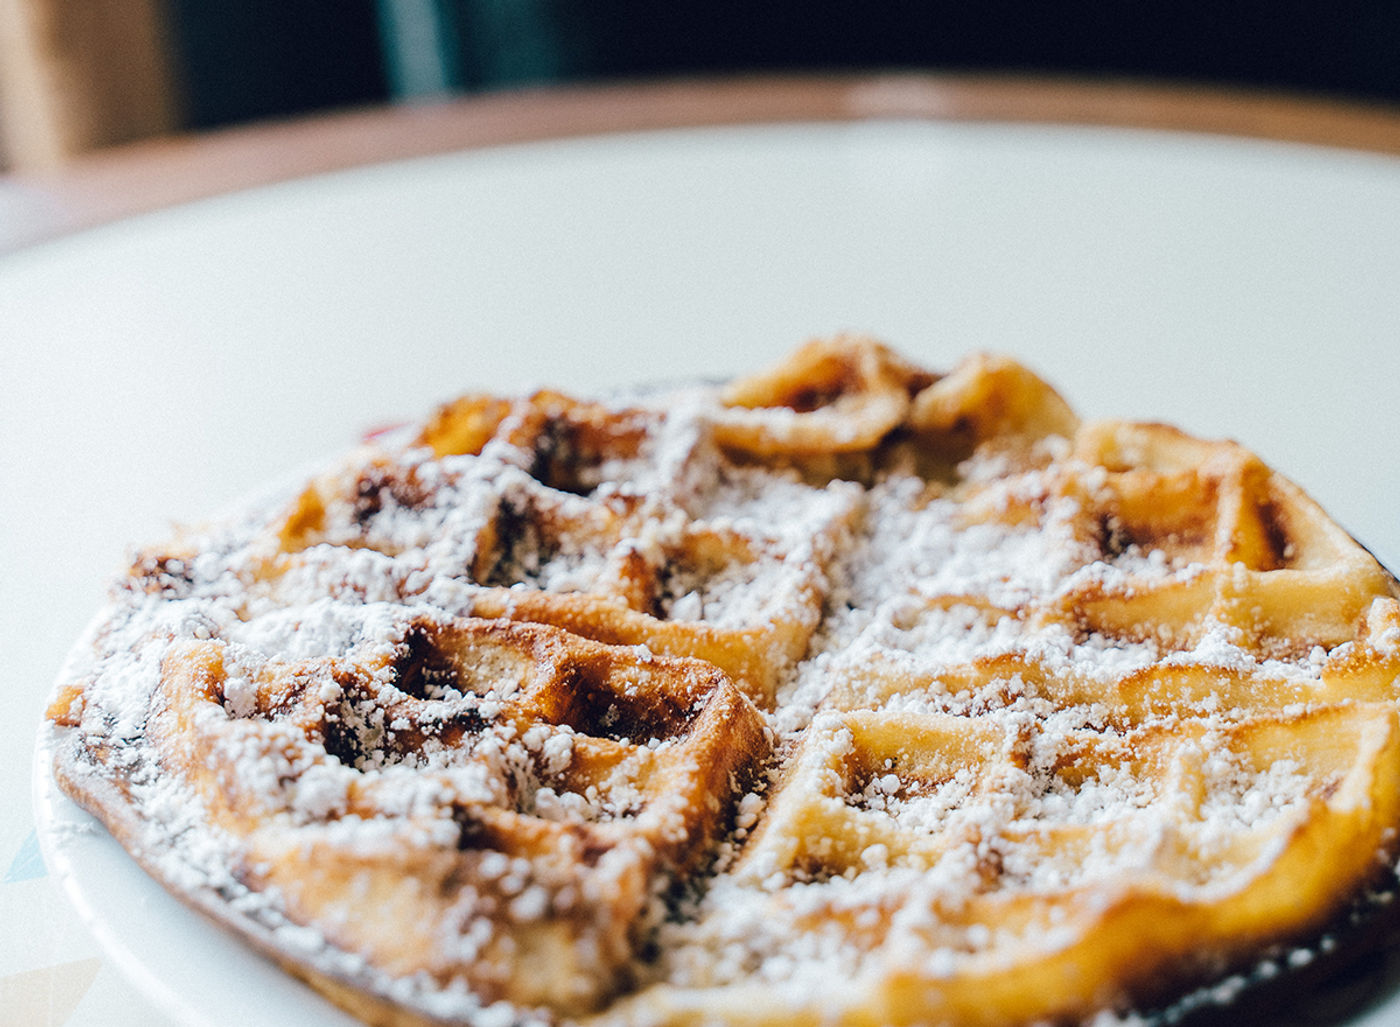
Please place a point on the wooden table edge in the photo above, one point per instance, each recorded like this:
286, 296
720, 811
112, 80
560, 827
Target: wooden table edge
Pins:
128, 180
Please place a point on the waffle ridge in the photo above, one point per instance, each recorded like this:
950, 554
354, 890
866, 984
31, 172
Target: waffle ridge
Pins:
847, 692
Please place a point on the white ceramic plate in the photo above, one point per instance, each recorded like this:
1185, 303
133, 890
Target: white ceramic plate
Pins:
167, 364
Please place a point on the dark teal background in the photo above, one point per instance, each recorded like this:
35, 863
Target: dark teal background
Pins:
260, 58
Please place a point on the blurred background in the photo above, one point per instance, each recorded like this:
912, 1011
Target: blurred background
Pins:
79, 74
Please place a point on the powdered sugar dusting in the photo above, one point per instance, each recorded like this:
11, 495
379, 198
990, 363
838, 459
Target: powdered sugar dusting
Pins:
952, 735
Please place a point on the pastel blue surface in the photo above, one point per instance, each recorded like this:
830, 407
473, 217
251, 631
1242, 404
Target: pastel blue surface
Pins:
28, 863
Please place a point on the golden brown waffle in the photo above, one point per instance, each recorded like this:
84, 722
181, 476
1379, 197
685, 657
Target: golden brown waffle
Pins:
845, 693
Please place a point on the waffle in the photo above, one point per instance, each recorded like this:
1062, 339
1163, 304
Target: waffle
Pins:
843, 693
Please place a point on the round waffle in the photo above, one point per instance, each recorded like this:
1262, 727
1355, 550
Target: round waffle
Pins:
846, 692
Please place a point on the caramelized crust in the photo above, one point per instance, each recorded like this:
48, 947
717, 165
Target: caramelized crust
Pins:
847, 693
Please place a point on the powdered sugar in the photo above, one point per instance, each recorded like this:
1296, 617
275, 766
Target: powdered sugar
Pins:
950, 613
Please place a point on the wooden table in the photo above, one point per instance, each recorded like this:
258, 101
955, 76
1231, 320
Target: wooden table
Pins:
51, 972
131, 179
